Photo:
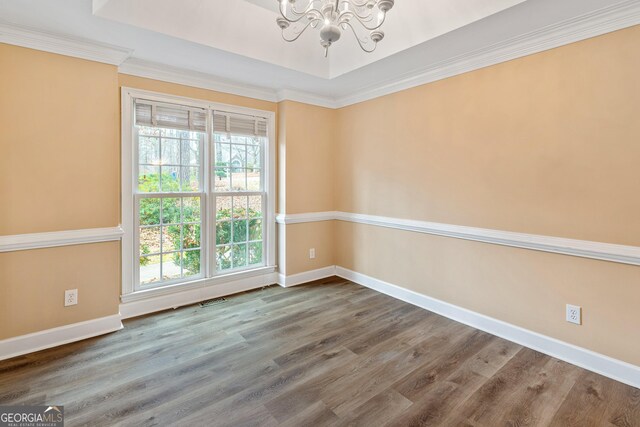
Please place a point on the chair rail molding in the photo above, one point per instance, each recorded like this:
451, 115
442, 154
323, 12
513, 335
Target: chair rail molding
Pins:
560, 245
21, 242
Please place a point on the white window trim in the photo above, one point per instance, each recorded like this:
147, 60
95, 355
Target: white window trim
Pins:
129, 182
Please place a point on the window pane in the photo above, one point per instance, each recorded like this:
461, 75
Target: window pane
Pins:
240, 207
170, 210
191, 209
148, 179
148, 131
223, 257
191, 236
223, 232
223, 155
149, 240
223, 208
240, 139
171, 240
190, 178
238, 180
255, 253
149, 269
149, 211
191, 263
255, 206
170, 151
171, 268
240, 230
254, 180
222, 179
255, 229
239, 255
170, 160
221, 137
238, 157
149, 150
190, 153
253, 157
170, 179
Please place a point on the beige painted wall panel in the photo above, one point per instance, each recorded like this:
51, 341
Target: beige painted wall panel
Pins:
522, 287
309, 139
60, 145
32, 285
547, 144
300, 238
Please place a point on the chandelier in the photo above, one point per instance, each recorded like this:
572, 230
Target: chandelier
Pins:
363, 17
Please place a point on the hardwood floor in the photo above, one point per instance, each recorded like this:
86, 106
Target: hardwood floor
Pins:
330, 353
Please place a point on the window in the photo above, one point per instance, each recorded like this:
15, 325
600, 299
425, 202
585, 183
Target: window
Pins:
239, 190
201, 189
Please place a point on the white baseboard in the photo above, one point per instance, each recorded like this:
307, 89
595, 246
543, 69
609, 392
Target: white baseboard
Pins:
191, 296
587, 359
54, 337
307, 276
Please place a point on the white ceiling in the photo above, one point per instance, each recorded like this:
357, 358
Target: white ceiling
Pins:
240, 43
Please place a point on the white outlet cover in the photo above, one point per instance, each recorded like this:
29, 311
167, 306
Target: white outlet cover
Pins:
312, 253
70, 297
574, 314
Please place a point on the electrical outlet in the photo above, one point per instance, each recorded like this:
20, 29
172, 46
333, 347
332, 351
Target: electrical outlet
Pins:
70, 297
312, 253
574, 314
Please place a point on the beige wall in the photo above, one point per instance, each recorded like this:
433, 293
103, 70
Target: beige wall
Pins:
306, 183
32, 285
546, 144
60, 161
308, 136
60, 170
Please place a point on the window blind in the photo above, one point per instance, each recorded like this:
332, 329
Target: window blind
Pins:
173, 116
239, 124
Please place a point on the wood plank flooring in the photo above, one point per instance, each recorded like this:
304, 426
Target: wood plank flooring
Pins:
326, 353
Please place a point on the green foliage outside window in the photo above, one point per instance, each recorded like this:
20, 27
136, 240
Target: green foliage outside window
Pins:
150, 215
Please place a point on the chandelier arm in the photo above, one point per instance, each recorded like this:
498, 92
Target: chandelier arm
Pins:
360, 41
307, 11
301, 31
362, 22
356, 3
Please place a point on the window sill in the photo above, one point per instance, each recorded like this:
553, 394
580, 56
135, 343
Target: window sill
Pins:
195, 284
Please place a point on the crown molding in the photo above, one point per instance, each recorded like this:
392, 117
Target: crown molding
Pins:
307, 98
171, 74
612, 18
167, 73
62, 44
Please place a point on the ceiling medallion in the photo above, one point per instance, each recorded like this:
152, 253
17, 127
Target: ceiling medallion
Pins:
363, 17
